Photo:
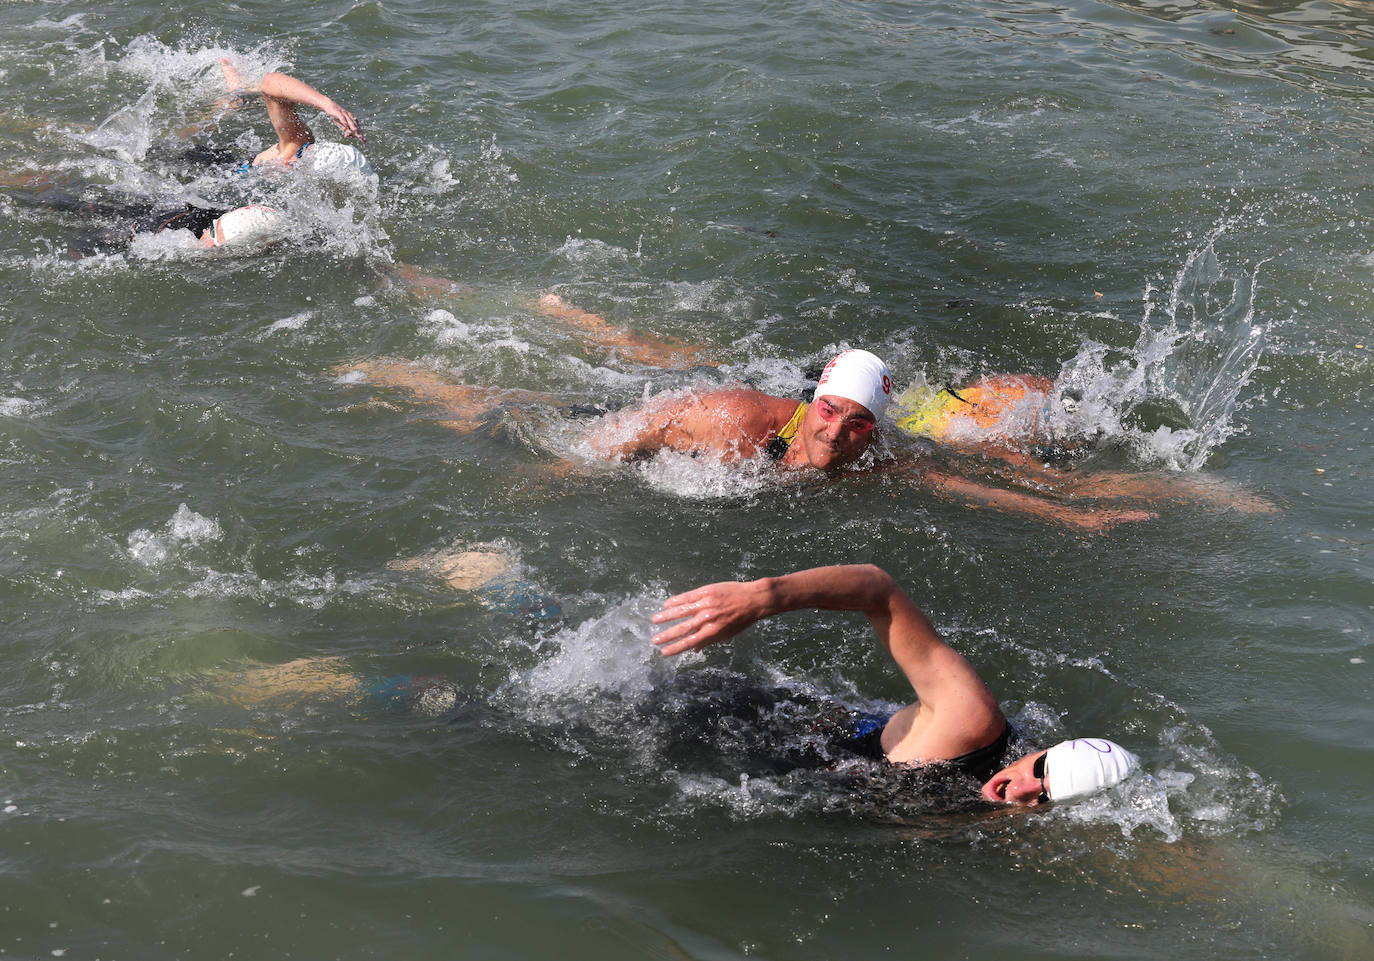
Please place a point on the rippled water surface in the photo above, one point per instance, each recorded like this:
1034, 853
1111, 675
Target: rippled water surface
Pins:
241, 714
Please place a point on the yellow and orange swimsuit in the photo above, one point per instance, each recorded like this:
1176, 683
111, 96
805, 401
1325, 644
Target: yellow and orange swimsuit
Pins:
988, 406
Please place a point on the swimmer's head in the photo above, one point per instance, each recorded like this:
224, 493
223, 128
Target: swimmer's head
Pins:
1069, 770
246, 226
337, 161
859, 376
1084, 766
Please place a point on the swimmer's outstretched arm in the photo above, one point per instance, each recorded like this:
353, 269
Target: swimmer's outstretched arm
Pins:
279, 88
1211, 491
971, 492
717, 612
955, 712
1152, 487
649, 350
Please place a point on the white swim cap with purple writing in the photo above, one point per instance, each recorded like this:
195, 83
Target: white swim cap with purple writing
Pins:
337, 160
859, 376
1085, 765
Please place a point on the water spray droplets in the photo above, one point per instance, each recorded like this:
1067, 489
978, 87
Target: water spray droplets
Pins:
1190, 366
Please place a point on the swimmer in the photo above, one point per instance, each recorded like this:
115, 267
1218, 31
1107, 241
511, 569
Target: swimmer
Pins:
955, 722
1000, 424
954, 735
125, 218
246, 226
727, 424
829, 434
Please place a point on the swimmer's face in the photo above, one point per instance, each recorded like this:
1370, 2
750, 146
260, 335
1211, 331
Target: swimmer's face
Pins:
1026, 782
835, 431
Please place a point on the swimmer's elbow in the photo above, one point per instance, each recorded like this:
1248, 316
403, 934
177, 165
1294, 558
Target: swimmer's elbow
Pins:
878, 576
880, 585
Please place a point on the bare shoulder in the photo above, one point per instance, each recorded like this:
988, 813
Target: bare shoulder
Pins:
731, 421
749, 407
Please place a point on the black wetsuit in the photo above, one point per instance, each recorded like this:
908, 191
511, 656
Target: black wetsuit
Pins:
726, 724
126, 216
186, 217
789, 727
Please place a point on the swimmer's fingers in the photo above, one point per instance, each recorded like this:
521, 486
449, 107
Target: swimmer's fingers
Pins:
679, 605
705, 616
689, 635
233, 81
345, 121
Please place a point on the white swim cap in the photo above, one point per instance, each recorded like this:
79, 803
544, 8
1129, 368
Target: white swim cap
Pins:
859, 376
1086, 765
337, 160
254, 224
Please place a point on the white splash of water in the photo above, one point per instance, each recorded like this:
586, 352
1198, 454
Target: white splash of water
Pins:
185, 527
16, 407
292, 323
181, 81
680, 474
698, 478
582, 252
607, 654
170, 245
445, 328
1195, 364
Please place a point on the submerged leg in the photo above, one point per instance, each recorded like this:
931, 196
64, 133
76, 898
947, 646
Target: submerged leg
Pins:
427, 286
646, 349
490, 574
327, 679
469, 404
463, 570
286, 684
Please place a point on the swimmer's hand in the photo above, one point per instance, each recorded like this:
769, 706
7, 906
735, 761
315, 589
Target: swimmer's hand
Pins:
711, 614
344, 120
233, 80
